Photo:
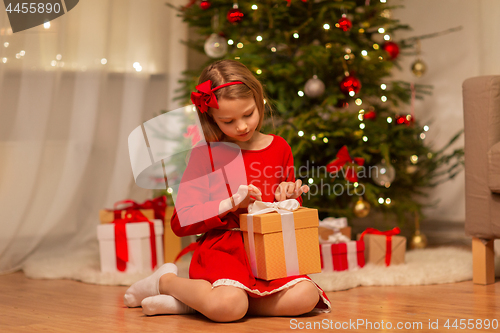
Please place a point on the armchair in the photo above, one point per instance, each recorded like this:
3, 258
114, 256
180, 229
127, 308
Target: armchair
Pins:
481, 100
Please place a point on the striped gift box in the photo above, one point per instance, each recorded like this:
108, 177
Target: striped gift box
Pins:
342, 256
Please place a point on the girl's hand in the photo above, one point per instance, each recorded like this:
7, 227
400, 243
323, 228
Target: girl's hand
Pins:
246, 194
289, 190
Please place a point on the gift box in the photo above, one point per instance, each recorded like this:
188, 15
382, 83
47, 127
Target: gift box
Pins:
140, 249
384, 248
325, 233
109, 215
152, 209
281, 239
172, 244
342, 256
330, 226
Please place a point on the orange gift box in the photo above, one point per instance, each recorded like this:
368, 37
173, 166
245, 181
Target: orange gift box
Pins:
271, 253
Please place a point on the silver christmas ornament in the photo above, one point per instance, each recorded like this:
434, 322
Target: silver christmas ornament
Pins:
383, 174
216, 46
314, 87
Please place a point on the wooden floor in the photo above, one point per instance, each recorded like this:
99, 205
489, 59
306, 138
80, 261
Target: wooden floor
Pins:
68, 306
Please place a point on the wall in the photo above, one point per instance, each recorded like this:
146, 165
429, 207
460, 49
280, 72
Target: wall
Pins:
450, 60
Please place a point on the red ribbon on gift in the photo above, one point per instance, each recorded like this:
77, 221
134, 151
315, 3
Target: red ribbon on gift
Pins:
159, 205
343, 157
339, 253
388, 240
121, 245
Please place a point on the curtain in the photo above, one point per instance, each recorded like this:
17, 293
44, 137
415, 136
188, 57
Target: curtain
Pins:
70, 94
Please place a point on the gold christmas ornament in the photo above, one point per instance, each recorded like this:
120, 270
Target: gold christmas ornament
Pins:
411, 169
418, 68
418, 240
361, 208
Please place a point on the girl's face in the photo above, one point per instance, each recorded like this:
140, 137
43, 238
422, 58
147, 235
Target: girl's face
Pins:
237, 118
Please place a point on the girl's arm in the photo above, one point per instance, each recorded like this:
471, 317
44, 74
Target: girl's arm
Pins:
289, 188
198, 196
195, 228
202, 199
195, 213
291, 173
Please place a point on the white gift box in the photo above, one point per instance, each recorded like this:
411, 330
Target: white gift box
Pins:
331, 230
138, 243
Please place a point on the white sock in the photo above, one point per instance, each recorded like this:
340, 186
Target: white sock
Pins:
147, 287
164, 304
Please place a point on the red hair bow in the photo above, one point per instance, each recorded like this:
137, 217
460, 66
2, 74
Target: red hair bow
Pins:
206, 98
342, 158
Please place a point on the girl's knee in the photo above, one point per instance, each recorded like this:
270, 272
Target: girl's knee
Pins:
306, 296
228, 304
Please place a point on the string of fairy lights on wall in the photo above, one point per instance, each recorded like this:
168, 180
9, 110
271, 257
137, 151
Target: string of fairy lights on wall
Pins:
57, 62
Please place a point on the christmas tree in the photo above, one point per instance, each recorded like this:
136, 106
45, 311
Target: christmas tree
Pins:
326, 66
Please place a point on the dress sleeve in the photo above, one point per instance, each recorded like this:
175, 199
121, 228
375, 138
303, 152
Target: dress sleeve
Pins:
198, 197
196, 228
289, 167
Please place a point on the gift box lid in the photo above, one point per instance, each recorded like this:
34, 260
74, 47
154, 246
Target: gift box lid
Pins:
134, 230
271, 222
380, 240
341, 248
108, 215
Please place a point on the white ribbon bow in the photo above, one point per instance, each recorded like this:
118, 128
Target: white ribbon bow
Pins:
261, 207
333, 223
336, 238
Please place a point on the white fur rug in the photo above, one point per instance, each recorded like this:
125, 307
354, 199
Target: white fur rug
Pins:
422, 267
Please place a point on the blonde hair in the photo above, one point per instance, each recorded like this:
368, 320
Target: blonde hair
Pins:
224, 71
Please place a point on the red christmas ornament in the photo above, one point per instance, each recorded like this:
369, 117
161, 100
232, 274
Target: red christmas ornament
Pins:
235, 15
370, 115
205, 5
391, 48
407, 120
350, 83
344, 23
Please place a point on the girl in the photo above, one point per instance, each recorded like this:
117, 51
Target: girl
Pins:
230, 104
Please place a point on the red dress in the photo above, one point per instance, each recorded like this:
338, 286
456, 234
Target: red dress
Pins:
220, 256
